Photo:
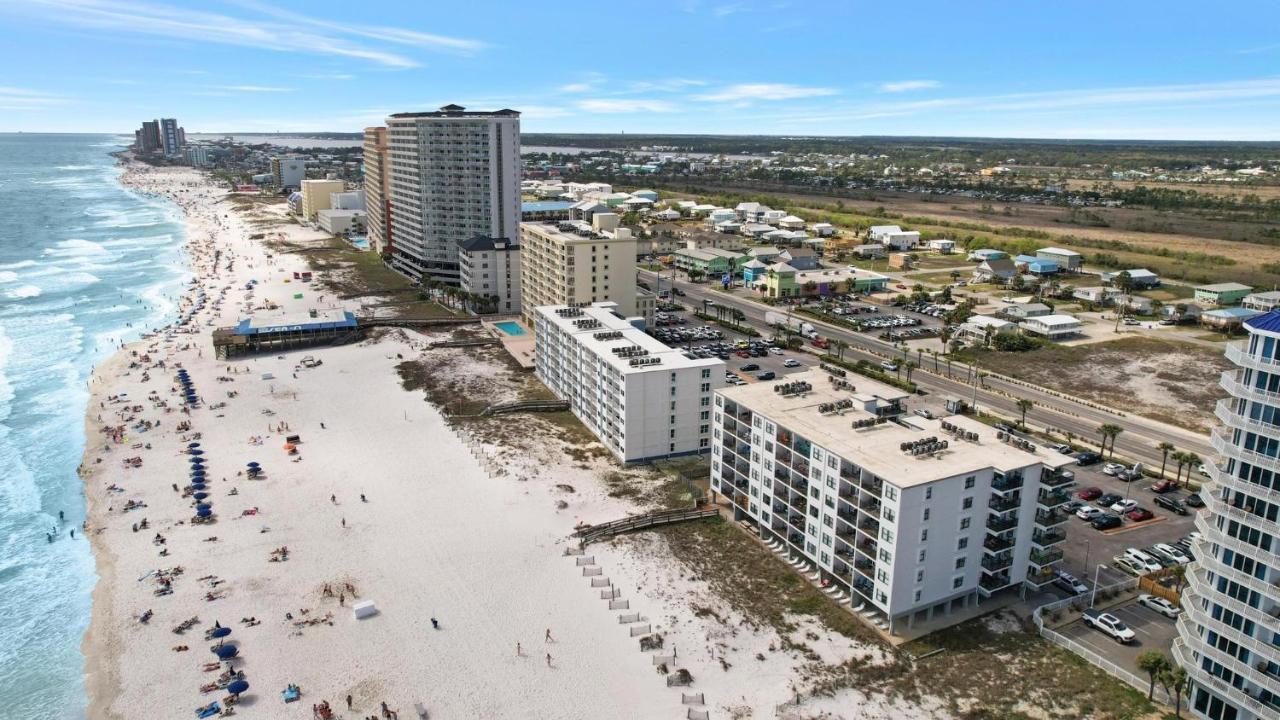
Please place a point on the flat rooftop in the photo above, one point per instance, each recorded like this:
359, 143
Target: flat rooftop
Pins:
323, 320
876, 448
630, 337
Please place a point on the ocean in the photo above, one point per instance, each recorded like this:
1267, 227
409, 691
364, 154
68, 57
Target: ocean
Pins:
84, 265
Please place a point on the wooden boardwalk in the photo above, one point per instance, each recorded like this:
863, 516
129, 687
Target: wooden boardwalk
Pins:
592, 533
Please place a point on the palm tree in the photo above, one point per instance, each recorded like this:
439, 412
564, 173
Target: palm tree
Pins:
1181, 459
1193, 462
1153, 663
1109, 431
1024, 405
1165, 448
839, 346
1177, 683
911, 366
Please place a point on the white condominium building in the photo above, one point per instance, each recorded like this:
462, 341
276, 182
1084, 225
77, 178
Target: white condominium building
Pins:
573, 262
376, 179
910, 516
454, 175
1229, 633
490, 269
642, 399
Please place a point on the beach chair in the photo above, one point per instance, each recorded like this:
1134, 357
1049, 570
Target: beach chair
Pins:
209, 710
290, 694
421, 710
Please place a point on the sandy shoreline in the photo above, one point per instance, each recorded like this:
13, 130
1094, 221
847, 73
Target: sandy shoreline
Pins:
457, 528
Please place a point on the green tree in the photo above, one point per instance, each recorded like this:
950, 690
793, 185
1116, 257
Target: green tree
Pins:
1177, 683
1023, 406
1165, 448
1109, 431
1180, 458
911, 367
1153, 663
1193, 463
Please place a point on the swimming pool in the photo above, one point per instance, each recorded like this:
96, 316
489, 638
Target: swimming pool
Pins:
510, 327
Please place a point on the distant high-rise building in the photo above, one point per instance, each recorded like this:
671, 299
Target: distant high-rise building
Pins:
197, 155
288, 171
148, 137
1229, 634
171, 136
454, 175
376, 180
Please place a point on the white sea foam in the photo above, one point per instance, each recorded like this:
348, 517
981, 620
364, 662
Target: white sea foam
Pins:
23, 292
76, 167
18, 265
8, 276
75, 247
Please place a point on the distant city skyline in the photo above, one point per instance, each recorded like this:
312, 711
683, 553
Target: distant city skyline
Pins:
1142, 70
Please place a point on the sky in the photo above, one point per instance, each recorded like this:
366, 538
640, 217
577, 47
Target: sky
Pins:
1137, 69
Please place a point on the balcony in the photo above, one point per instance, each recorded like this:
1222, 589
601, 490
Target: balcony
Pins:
1050, 518
996, 563
1051, 500
990, 584
1220, 476
1000, 524
1047, 538
870, 526
997, 543
1221, 441
1231, 383
1238, 353
1005, 503
1055, 479
1038, 579
1186, 659
870, 505
1043, 559
1008, 483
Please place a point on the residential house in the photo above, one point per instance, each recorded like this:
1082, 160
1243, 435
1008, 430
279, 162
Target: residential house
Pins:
754, 271
987, 254
995, 270
1222, 294
869, 252
585, 210
756, 230
1096, 294
1138, 277
905, 240
791, 222
1067, 260
941, 246
1022, 311
877, 233
822, 229
1227, 318
1054, 327
765, 254
1263, 301
978, 328
1035, 266
801, 258
666, 215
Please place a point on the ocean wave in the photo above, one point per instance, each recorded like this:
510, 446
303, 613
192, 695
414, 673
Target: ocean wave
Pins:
8, 276
22, 292
74, 247
18, 265
75, 167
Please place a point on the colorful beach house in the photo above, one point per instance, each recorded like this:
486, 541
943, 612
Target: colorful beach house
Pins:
783, 280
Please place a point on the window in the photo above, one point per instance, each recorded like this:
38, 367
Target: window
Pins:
706, 374
917, 596
969, 482
962, 543
967, 504
921, 556
926, 515
924, 535
960, 563
957, 582
964, 523
920, 575
890, 492
928, 493
888, 514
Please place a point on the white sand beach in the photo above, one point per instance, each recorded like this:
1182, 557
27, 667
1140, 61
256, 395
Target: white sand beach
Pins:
461, 531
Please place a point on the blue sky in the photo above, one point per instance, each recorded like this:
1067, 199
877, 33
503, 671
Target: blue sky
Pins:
1134, 69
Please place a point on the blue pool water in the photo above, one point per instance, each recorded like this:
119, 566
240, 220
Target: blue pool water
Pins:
510, 327
84, 265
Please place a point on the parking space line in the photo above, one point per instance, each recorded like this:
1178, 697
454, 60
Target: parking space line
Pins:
1134, 526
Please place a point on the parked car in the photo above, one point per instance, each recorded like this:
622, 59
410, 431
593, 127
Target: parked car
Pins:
766, 375
1109, 624
888, 366
1090, 493
1129, 474
1069, 583
1063, 448
1139, 514
1087, 457
749, 367
925, 414
1164, 486
1089, 512
1108, 500
1074, 505
1106, 521
775, 351
1143, 560
1124, 506
1193, 500
1127, 566
1170, 504
790, 362
1165, 551
1160, 605
1112, 469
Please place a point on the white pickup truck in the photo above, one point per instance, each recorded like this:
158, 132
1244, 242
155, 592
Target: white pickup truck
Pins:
1109, 624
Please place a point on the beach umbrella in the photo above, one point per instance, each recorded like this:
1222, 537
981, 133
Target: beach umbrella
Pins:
193, 445
197, 474
220, 632
203, 506
197, 452
225, 652
237, 687
201, 495
204, 513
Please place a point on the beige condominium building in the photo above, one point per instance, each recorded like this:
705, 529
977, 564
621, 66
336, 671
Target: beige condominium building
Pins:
454, 174
376, 177
906, 518
575, 263
317, 196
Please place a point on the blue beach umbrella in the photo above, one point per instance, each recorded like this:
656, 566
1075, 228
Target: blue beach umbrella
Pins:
253, 463
197, 475
226, 652
193, 445
201, 495
220, 632
206, 512
203, 506
197, 452
237, 687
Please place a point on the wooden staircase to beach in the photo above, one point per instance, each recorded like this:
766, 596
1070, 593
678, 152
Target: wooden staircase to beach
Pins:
592, 533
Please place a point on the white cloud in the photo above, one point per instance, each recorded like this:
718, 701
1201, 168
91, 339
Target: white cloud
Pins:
664, 85
580, 87
541, 112
254, 88
765, 91
22, 99
908, 85
619, 105
331, 76
299, 34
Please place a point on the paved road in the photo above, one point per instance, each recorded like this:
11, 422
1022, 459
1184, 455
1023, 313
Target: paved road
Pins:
1137, 442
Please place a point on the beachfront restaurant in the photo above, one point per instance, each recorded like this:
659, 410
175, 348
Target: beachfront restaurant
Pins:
275, 333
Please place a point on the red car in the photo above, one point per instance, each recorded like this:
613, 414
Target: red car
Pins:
1090, 493
1164, 486
1139, 514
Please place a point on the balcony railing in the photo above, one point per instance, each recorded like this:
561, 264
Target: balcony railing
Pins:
1002, 504
1042, 559
1050, 518
1047, 538
993, 583
1006, 483
1053, 499
1001, 524
997, 543
995, 563
1055, 479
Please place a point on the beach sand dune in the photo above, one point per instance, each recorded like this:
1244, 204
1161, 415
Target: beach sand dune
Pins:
456, 529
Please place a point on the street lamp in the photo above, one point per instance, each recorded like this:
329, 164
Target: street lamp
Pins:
1094, 593
1086, 558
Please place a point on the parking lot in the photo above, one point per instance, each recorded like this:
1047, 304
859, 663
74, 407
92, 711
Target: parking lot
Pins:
1153, 632
914, 321
1085, 547
707, 340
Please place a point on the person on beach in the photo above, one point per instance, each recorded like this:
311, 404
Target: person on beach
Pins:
548, 637
548, 659
517, 649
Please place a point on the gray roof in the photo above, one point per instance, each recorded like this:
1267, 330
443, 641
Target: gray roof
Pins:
480, 243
